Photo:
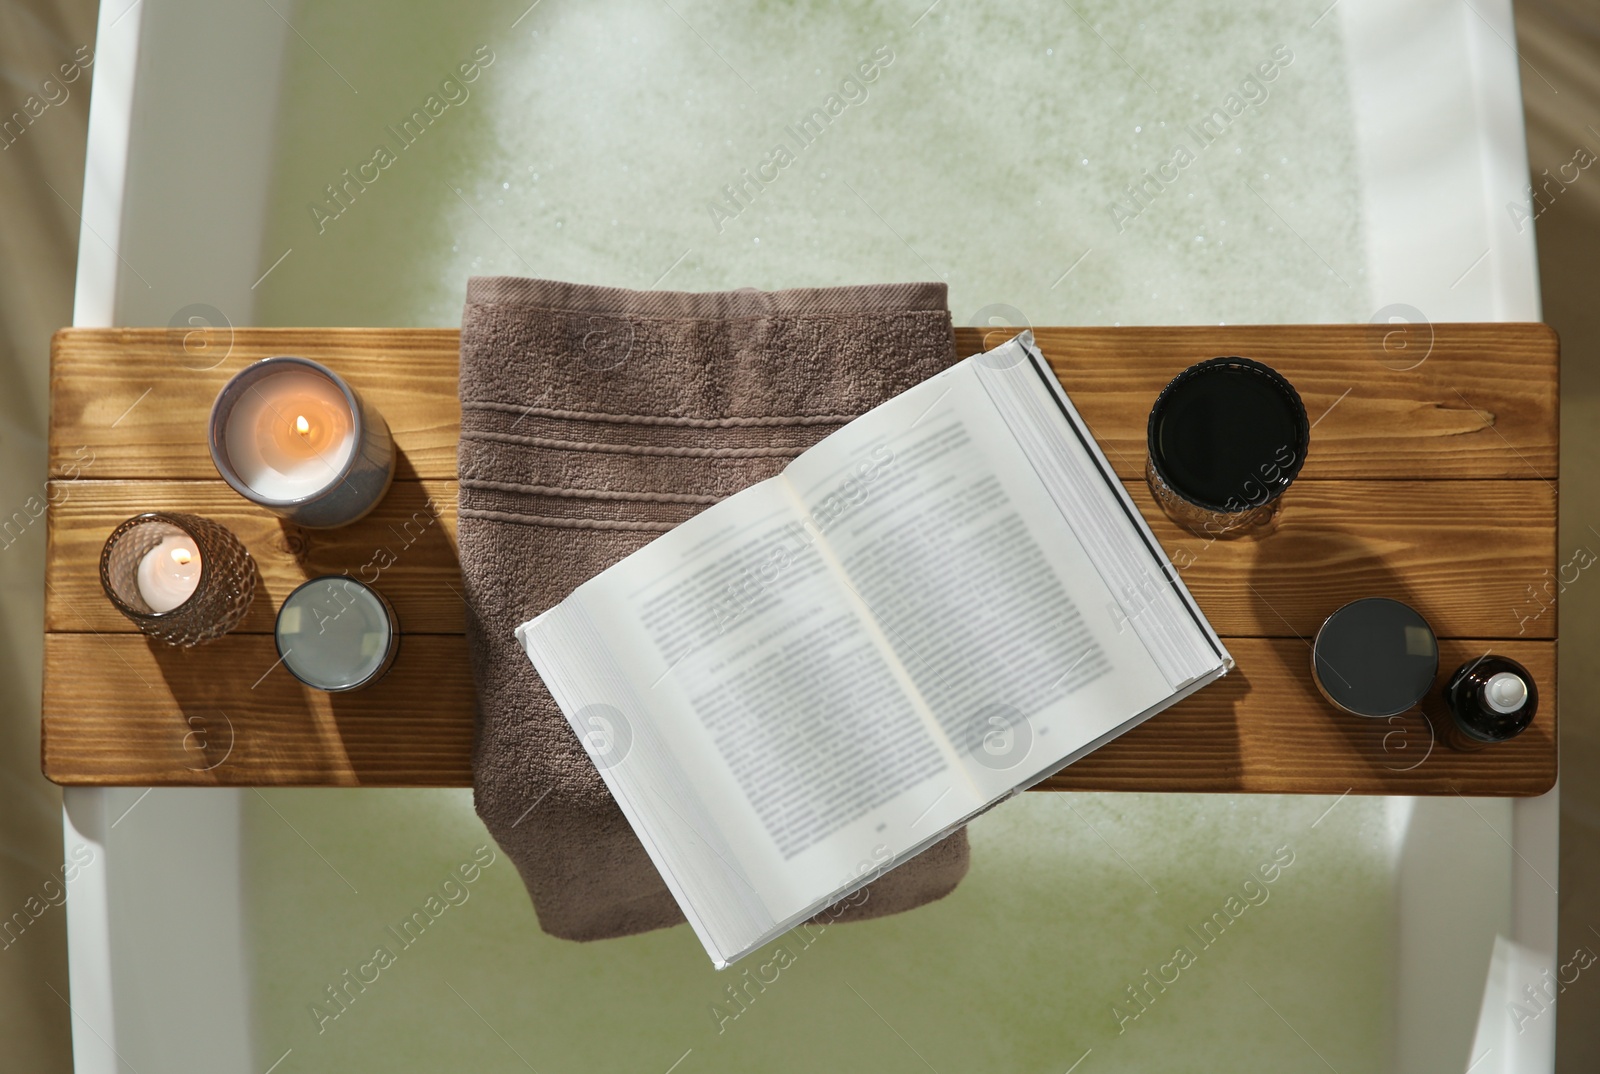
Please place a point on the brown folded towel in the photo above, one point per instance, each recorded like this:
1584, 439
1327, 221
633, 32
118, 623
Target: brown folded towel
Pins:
593, 419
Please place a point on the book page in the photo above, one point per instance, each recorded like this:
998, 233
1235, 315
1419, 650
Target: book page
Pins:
799, 732
1013, 640
1095, 505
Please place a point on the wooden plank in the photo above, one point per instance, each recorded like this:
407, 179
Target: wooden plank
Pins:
1422, 542
131, 402
406, 548
1411, 448
1418, 541
1265, 729
148, 716
1457, 400
119, 711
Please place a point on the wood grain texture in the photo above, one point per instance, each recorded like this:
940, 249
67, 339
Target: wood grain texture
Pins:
406, 548
1412, 445
133, 402
154, 716
1422, 542
1264, 728
1335, 541
123, 711
1479, 402
1445, 400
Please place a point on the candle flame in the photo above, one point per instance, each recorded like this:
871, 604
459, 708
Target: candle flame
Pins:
301, 425
180, 556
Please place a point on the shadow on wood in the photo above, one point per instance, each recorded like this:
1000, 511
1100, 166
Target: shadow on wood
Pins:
377, 734
1404, 750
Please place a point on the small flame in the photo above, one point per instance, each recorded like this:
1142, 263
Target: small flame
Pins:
180, 556
301, 425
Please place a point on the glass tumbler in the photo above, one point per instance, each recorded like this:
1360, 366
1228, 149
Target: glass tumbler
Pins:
1225, 438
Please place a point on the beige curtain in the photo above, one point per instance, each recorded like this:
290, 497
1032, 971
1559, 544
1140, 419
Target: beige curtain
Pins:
41, 183
1559, 42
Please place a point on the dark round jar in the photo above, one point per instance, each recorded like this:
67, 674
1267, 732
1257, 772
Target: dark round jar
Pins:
1375, 657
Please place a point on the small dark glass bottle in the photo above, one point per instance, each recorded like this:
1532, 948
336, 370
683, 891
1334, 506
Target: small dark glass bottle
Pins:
1491, 699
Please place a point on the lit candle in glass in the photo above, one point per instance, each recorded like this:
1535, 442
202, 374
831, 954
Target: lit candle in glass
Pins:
169, 572
180, 578
293, 436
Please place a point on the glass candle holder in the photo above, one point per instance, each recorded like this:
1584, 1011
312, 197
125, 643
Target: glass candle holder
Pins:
182, 579
291, 435
336, 634
1225, 439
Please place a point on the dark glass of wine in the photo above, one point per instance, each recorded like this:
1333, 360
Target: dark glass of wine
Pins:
1226, 437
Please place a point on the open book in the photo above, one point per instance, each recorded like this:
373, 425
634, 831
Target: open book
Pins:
933, 608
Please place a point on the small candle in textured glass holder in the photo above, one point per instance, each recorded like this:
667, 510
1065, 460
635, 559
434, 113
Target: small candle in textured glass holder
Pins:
180, 578
1225, 439
291, 435
336, 634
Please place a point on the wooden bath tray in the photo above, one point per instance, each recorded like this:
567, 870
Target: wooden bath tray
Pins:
1434, 483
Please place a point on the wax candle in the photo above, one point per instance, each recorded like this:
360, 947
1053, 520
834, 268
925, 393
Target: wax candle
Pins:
180, 578
293, 436
290, 435
169, 572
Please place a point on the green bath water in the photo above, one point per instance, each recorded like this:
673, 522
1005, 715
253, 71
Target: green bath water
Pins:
1054, 163
1072, 901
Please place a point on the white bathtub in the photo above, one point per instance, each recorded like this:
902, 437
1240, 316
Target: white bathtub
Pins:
178, 211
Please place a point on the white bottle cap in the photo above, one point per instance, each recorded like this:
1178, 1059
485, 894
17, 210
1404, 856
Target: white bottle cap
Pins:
1505, 692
